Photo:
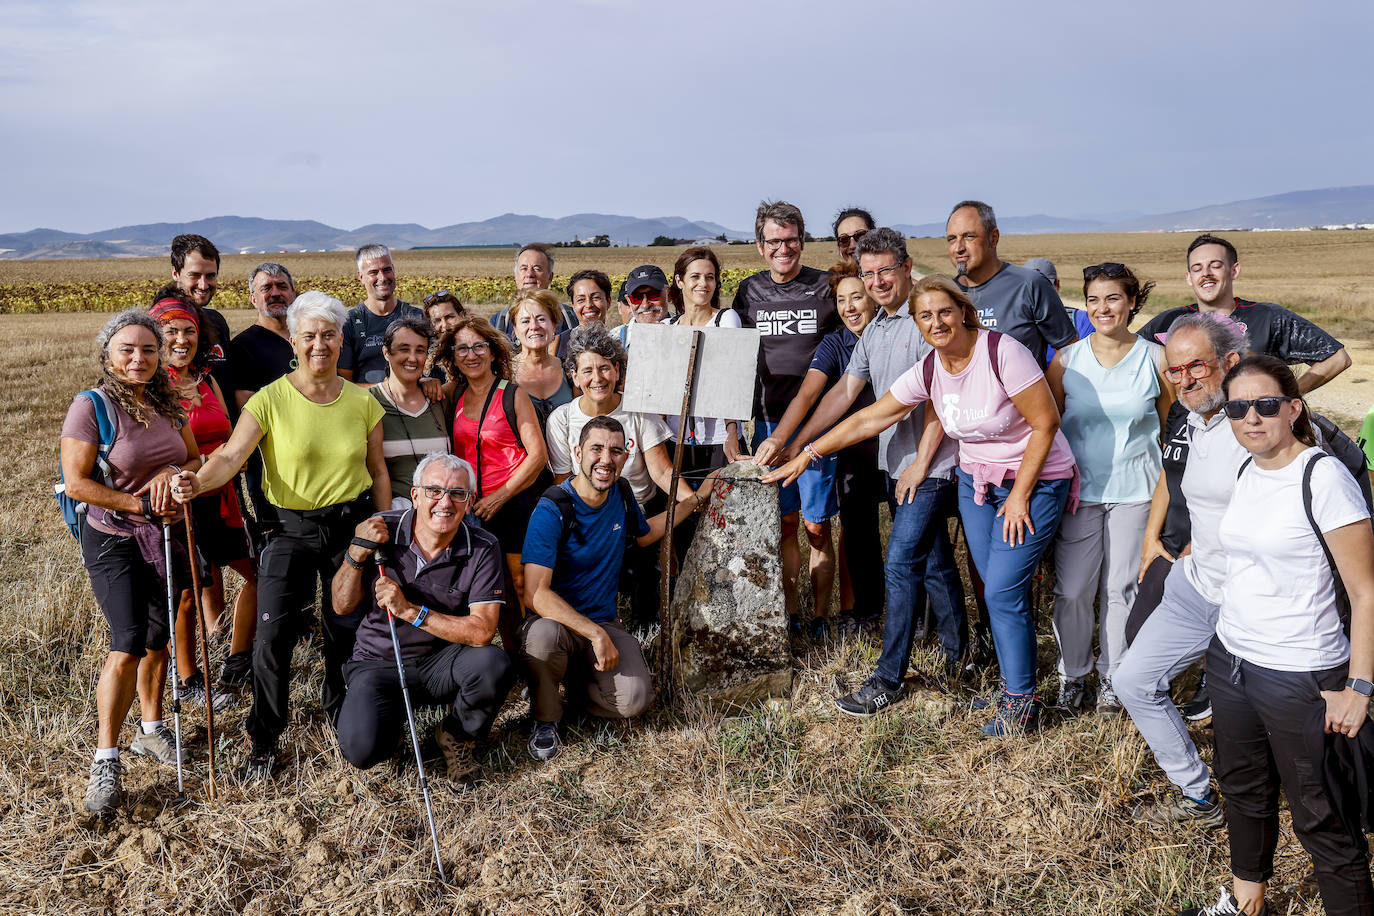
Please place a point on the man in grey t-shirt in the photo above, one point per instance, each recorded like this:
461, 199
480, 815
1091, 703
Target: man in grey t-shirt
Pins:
920, 467
1015, 300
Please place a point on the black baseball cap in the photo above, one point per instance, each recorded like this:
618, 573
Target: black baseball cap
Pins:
644, 275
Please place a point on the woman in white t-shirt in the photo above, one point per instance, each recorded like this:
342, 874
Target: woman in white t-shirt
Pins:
1286, 682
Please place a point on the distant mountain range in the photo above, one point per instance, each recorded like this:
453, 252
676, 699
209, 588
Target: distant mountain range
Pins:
1327, 207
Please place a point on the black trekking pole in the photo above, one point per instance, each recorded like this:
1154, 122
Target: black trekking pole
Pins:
172, 645
414, 736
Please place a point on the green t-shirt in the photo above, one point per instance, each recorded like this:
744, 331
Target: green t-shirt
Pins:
407, 438
313, 455
1367, 437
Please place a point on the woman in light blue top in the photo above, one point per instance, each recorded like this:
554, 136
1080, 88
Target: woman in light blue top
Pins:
1113, 399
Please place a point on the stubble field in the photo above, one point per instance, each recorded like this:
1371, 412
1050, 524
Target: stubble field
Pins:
786, 807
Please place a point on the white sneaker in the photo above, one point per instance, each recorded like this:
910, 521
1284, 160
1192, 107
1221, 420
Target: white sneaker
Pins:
1225, 906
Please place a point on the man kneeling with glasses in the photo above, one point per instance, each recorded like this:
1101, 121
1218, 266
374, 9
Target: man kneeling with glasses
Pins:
443, 582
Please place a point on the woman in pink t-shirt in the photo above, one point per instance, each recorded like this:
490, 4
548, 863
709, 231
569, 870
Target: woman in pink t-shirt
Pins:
1016, 471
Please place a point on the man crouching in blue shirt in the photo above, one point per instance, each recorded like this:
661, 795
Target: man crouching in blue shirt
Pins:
573, 549
443, 579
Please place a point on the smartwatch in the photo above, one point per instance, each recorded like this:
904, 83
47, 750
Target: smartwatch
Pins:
1360, 685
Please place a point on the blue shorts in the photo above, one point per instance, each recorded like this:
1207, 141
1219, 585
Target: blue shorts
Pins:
814, 491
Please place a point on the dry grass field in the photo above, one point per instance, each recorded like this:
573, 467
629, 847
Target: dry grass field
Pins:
787, 807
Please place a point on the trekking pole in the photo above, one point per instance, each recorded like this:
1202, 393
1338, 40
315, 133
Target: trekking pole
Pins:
172, 645
668, 668
204, 644
414, 736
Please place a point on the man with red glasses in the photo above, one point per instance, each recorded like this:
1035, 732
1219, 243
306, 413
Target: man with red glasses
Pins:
642, 300
1200, 350
793, 308
1213, 266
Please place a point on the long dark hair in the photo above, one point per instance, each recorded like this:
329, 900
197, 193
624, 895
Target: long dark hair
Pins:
696, 253
1261, 364
442, 354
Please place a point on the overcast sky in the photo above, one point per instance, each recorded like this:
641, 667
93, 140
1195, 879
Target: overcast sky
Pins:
438, 113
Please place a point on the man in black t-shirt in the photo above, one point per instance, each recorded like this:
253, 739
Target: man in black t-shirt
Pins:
793, 308
1213, 266
195, 271
361, 359
262, 352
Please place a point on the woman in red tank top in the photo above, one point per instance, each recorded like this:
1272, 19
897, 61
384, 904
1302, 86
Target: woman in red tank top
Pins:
510, 462
220, 536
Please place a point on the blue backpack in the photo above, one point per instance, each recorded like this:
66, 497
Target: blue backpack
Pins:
73, 511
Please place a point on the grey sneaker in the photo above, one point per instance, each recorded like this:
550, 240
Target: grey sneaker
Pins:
870, 699
192, 691
1226, 905
104, 792
161, 744
1205, 813
1107, 703
458, 754
1073, 695
544, 743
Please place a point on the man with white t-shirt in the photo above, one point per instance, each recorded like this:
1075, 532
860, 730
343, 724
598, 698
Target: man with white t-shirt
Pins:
1199, 351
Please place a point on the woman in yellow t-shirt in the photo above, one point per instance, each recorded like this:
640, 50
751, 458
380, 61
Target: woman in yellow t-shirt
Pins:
323, 471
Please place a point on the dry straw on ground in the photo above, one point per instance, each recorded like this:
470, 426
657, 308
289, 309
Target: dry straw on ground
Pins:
787, 807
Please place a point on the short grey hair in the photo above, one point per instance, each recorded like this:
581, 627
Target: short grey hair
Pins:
594, 338
315, 304
272, 269
542, 247
370, 251
447, 462
1225, 334
882, 241
780, 212
985, 214
121, 320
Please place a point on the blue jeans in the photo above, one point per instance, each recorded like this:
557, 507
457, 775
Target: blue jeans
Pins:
918, 550
1007, 570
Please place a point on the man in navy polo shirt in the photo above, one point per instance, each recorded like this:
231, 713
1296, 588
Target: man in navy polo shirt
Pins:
572, 558
443, 582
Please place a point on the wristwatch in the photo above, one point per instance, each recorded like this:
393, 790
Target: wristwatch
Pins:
1360, 685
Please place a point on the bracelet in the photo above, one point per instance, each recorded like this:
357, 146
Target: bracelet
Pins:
146, 503
810, 450
348, 558
419, 620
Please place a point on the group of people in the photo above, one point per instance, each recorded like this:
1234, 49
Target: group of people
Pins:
466, 478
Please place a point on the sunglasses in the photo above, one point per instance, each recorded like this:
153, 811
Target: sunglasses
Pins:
847, 240
638, 299
443, 295
1109, 269
457, 494
1265, 407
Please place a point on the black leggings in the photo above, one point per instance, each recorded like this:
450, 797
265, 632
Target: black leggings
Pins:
307, 549
1270, 732
861, 489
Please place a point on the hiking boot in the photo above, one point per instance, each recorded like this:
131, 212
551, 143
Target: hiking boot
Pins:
1016, 715
1107, 702
1226, 905
104, 793
544, 744
236, 671
458, 754
161, 744
818, 630
1199, 707
1073, 695
1206, 812
192, 691
872, 698
258, 766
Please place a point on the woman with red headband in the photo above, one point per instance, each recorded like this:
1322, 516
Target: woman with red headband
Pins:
221, 539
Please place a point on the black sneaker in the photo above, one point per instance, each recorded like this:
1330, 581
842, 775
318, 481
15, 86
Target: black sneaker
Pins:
872, 698
818, 630
192, 691
544, 743
1226, 905
1199, 707
261, 760
236, 671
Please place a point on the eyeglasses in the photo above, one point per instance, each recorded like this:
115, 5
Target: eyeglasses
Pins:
457, 494
641, 298
477, 349
884, 273
1265, 407
1198, 368
443, 295
847, 240
1109, 269
775, 244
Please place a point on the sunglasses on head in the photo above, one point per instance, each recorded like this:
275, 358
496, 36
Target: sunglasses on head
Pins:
1265, 407
1109, 269
443, 295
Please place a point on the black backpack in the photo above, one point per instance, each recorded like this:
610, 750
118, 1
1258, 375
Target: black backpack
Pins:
1334, 443
562, 499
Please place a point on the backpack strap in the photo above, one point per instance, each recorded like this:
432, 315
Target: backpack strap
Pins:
627, 500
106, 429
508, 390
994, 345
1307, 507
928, 371
567, 513
481, 418
1307, 477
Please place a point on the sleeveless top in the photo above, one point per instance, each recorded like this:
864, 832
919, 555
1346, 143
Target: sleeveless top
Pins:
211, 428
1111, 422
501, 448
